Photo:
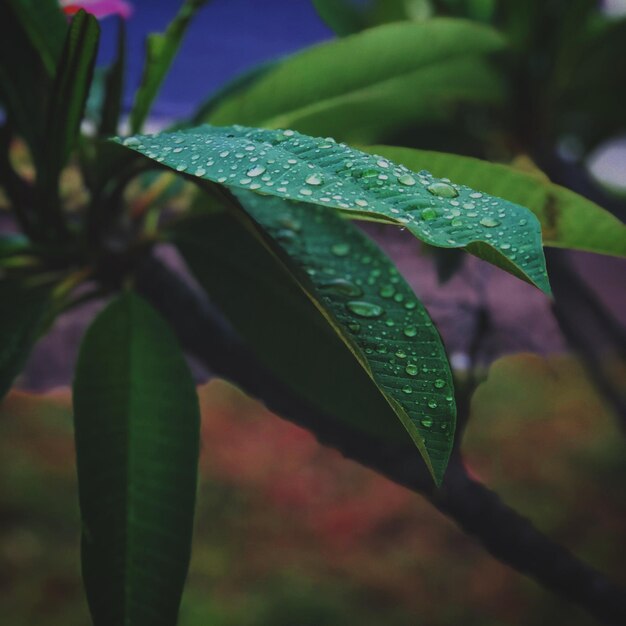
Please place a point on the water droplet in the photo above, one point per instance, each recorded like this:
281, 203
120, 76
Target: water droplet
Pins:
410, 331
411, 369
340, 249
440, 383
401, 354
314, 179
489, 222
342, 287
362, 308
181, 168
256, 171
407, 389
428, 214
382, 163
442, 190
432, 404
354, 328
476, 195
361, 202
426, 423
131, 141
386, 291
406, 179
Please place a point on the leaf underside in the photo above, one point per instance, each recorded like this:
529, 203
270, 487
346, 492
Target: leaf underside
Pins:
370, 307
137, 431
320, 171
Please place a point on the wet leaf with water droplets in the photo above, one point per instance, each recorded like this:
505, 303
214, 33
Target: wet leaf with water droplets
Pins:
449, 218
304, 351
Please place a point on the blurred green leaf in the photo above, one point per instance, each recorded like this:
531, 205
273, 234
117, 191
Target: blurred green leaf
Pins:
161, 48
232, 87
67, 105
382, 78
360, 298
567, 219
22, 308
320, 171
137, 432
46, 27
342, 16
23, 93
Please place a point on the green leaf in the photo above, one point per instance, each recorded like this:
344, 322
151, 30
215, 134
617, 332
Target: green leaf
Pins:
360, 298
46, 27
382, 78
22, 93
232, 87
567, 219
161, 48
346, 17
137, 431
71, 88
341, 15
319, 171
22, 308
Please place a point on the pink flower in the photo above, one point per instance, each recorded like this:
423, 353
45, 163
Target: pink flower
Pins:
98, 8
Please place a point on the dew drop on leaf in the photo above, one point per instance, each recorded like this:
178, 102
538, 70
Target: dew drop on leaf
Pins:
406, 179
256, 171
340, 249
362, 308
342, 287
489, 222
314, 179
442, 190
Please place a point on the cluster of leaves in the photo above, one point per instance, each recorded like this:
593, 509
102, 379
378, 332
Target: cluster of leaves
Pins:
271, 242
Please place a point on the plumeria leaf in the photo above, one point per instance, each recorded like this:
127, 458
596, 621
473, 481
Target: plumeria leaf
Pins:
360, 298
69, 97
320, 171
368, 84
45, 26
567, 219
136, 419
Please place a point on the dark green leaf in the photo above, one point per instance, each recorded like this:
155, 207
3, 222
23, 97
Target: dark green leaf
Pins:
71, 88
342, 16
360, 87
346, 17
161, 48
137, 432
22, 93
360, 298
319, 171
46, 27
22, 308
567, 219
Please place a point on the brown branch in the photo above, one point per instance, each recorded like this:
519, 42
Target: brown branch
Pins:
508, 536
